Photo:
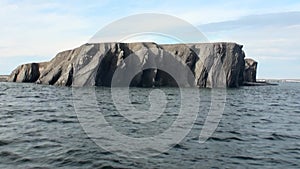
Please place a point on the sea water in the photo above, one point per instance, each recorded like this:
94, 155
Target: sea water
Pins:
40, 128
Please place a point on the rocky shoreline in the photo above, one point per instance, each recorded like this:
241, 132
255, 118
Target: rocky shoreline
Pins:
95, 64
259, 84
3, 78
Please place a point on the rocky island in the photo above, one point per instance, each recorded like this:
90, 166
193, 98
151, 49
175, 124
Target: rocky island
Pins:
95, 64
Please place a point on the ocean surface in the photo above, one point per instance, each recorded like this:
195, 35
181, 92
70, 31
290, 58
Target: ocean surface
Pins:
259, 128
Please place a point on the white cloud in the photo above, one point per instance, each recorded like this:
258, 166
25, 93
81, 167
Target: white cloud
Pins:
274, 43
32, 30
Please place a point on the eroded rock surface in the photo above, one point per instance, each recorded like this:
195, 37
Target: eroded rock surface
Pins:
25, 73
250, 70
211, 65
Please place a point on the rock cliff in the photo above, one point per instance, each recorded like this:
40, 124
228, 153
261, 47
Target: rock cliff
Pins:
3, 78
95, 64
250, 70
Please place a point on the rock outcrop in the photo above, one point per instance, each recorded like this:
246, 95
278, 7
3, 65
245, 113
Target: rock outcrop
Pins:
211, 64
3, 78
250, 70
27, 73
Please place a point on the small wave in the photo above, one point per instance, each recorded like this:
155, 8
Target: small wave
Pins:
45, 146
234, 132
21, 97
9, 156
275, 105
3, 125
73, 151
262, 121
4, 142
38, 168
106, 167
38, 140
6, 117
179, 146
276, 136
226, 139
115, 115
44, 111
294, 149
63, 161
55, 121
134, 102
249, 114
244, 157
244, 110
282, 136
267, 120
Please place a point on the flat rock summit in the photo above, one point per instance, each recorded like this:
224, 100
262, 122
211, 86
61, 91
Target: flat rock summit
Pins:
209, 65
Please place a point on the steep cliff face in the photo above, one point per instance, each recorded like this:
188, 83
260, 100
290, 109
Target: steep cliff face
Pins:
211, 64
217, 60
250, 70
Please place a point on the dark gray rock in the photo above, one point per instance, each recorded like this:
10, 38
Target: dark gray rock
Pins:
25, 73
250, 70
3, 78
219, 63
211, 65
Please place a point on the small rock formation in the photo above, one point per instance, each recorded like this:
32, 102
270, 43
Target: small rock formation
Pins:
28, 73
25, 73
95, 64
250, 70
3, 78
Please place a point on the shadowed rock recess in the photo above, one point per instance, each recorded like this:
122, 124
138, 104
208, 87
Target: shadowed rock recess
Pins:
211, 64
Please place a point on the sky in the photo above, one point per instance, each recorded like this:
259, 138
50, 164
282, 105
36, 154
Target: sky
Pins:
35, 31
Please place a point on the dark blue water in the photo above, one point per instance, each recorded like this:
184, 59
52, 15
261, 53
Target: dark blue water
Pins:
260, 128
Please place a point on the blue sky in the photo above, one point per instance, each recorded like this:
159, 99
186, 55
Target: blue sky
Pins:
33, 31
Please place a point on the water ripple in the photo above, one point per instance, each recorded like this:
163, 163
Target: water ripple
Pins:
260, 128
